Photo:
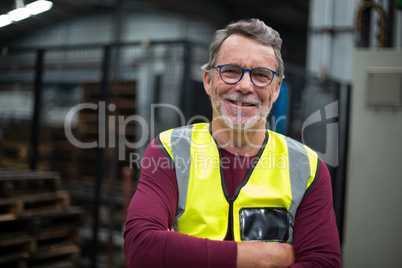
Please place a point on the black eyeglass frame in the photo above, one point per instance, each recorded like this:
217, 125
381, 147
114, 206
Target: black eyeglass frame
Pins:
242, 74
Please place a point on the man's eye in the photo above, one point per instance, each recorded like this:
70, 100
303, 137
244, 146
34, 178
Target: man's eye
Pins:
231, 70
262, 74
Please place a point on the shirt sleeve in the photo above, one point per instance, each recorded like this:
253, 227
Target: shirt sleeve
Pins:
316, 238
147, 241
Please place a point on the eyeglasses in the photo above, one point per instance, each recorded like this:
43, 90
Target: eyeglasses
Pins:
232, 74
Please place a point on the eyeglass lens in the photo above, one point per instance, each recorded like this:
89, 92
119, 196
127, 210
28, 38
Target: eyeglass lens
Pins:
232, 74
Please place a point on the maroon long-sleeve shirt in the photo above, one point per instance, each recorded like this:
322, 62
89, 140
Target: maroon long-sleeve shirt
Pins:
148, 243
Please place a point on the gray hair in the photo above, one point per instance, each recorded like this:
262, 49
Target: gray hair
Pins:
254, 29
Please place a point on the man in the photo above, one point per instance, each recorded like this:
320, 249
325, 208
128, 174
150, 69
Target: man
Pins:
230, 193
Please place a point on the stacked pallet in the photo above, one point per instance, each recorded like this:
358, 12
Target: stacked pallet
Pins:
15, 144
108, 122
106, 125
38, 226
55, 152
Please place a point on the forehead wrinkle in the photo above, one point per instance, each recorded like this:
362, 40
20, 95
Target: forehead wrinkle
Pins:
246, 55
250, 63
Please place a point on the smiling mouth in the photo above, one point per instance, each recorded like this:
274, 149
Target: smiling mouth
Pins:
243, 104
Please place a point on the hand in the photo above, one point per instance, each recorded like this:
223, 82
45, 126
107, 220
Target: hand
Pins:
263, 254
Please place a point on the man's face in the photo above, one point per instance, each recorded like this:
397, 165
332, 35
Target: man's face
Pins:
242, 105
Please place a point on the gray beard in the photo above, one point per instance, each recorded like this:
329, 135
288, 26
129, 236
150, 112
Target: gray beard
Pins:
217, 105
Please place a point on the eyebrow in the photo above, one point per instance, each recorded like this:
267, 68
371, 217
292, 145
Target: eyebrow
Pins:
247, 68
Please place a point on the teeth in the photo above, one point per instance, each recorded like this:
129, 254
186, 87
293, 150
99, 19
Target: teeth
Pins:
242, 104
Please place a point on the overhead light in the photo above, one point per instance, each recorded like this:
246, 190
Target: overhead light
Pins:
23, 12
39, 6
5, 20
19, 14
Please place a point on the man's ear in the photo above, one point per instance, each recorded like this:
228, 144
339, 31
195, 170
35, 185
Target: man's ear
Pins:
276, 92
207, 83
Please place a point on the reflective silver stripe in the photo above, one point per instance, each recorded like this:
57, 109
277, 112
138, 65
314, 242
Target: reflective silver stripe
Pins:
181, 148
299, 173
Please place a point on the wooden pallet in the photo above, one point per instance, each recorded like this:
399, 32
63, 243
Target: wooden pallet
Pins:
34, 239
71, 218
19, 150
13, 249
55, 152
33, 204
123, 95
38, 227
61, 254
15, 182
56, 256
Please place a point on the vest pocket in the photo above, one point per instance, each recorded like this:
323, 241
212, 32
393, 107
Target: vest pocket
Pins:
264, 224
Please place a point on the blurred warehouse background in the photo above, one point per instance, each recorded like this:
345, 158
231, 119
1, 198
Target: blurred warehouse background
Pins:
85, 85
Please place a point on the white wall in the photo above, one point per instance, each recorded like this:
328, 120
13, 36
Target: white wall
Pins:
373, 213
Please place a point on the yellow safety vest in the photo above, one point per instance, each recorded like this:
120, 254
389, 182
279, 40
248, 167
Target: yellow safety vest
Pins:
263, 207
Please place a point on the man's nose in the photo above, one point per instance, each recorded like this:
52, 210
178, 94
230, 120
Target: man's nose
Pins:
245, 85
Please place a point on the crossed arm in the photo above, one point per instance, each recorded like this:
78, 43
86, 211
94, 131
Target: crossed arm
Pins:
261, 254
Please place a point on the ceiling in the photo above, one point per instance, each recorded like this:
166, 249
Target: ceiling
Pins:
289, 17
285, 14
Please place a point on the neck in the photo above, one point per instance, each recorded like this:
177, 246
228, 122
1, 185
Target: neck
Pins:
237, 140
